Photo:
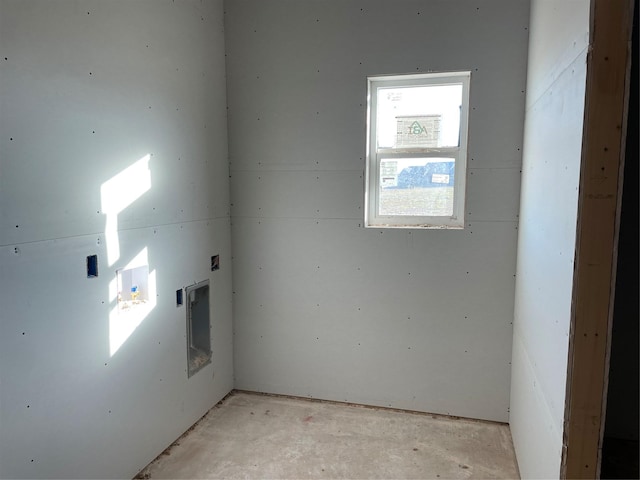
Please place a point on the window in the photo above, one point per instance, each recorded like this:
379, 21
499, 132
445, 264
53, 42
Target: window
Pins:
416, 150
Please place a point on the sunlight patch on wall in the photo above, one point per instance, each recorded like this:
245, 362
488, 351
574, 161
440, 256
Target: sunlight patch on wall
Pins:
117, 194
135, 290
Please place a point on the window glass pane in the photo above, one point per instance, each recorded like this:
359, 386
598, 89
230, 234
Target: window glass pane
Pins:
416, 187
419, 117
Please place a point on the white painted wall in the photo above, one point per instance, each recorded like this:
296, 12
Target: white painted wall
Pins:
88, 88
546, 241
322, 307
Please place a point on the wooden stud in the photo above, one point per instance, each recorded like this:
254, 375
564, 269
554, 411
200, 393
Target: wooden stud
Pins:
603, 148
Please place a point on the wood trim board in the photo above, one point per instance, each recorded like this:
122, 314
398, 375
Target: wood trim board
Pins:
599, 201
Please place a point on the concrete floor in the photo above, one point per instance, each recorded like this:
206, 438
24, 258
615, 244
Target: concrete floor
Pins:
259, 436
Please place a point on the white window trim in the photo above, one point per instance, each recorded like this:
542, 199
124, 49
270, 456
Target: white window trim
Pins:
373, 155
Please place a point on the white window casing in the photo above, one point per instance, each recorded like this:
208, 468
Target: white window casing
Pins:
413, 120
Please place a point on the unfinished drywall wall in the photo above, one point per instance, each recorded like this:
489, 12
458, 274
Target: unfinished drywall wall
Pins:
113, 144
546, 242
416, 319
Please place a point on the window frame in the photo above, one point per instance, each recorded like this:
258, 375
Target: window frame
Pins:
374, 156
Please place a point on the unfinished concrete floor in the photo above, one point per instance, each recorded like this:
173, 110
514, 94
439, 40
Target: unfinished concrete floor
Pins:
259, 436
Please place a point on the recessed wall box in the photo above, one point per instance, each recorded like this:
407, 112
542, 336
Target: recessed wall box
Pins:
92, 266
198, 327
